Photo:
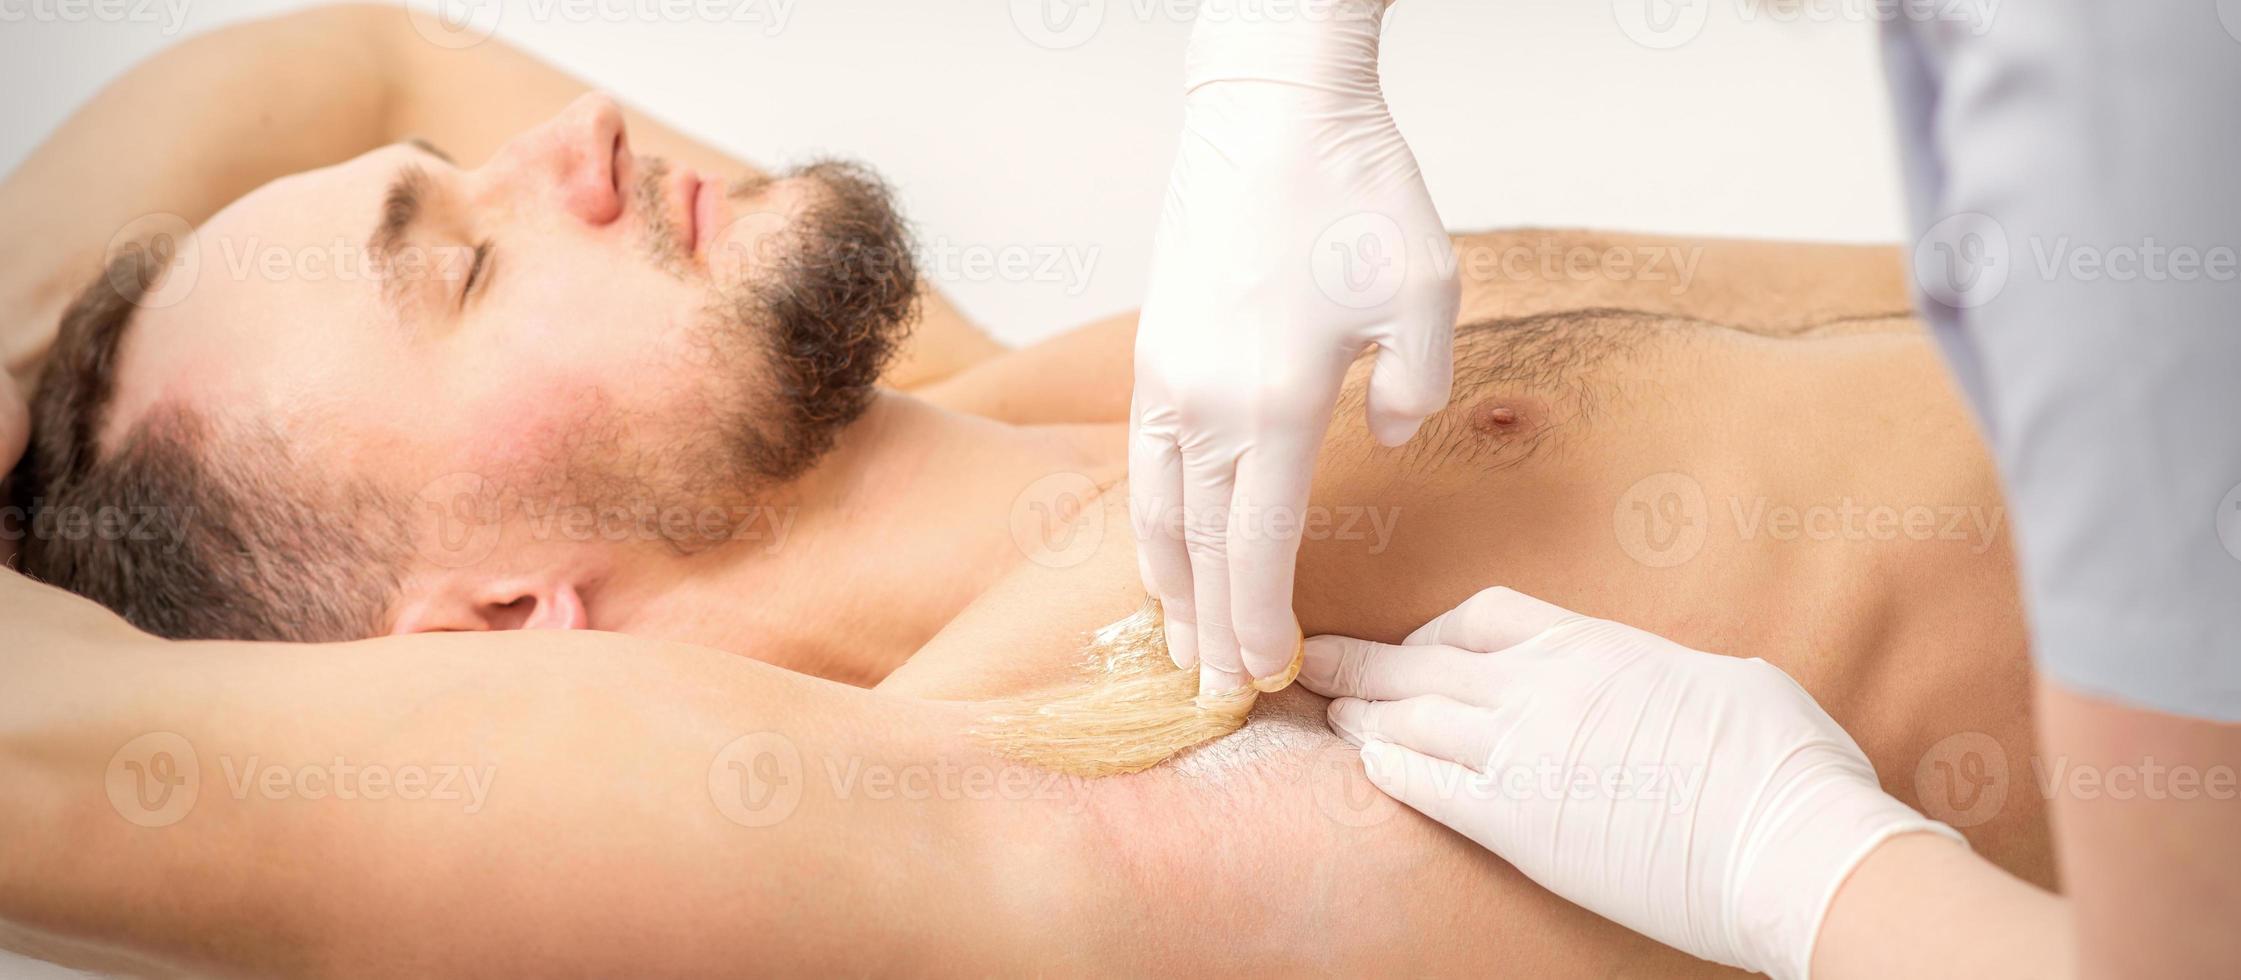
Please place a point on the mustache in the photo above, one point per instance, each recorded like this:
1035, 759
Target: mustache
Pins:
665, 242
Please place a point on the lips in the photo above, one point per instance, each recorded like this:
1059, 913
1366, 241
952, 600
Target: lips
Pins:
698, 211
704, 220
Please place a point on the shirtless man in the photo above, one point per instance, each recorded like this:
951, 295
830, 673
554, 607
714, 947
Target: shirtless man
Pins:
618, 836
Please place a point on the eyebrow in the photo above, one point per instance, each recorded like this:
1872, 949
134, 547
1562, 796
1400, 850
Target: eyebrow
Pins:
429, 148
400, 205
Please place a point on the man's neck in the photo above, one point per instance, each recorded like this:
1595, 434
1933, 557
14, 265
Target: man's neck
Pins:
847, 571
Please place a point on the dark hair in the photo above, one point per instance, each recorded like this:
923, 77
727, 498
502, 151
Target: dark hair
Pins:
192, 528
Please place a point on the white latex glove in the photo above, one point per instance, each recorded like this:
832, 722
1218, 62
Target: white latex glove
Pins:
1296, 234
1704, 801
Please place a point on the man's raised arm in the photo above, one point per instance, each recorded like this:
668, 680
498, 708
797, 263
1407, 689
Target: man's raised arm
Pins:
205, 121
523, 803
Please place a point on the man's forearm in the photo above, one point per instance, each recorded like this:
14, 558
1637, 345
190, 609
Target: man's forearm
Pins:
182, 133
208, 120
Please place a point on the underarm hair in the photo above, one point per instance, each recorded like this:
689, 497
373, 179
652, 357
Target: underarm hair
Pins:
1127, 709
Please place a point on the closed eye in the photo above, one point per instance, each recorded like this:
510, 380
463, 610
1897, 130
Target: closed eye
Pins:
477, 272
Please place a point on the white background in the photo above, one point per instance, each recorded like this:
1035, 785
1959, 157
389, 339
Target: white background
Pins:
1523, 112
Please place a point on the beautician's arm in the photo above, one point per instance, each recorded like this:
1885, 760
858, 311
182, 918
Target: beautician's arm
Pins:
214, 117
598, 848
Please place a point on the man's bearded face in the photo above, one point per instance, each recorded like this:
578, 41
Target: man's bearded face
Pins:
568, 324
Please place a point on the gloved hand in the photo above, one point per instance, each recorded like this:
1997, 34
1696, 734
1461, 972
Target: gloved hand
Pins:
1704, 801
1296, 234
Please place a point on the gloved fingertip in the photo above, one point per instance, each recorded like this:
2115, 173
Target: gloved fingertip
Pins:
1346, 720
1214, 680
1382, 762
1182, 643
1394, 431
1318, 667
1275, 671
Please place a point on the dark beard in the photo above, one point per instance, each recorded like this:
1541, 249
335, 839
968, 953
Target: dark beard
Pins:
831, 301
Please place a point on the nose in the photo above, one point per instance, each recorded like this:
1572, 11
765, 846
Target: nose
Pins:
571, 159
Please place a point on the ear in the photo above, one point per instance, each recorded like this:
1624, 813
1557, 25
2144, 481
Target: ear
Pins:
545, 603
